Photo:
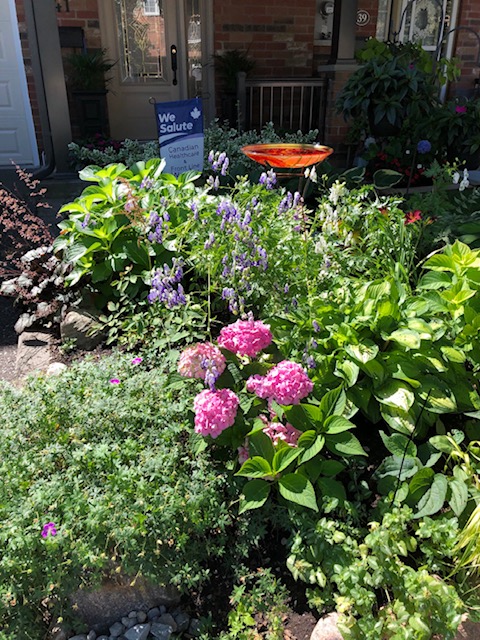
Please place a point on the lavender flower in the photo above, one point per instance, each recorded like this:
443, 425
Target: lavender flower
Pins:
163, 286
268, 179
146, 183
86, 220
49, 529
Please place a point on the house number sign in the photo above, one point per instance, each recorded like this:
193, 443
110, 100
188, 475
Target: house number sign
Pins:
363, 18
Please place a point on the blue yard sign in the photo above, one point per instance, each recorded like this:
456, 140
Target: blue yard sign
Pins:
180, 133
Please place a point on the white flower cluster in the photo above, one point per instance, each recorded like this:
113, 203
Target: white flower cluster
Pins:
464, 183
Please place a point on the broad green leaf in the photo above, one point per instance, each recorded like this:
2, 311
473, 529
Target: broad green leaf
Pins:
333, 402
441, 262
432, 501
332, 488
395, 394
344, 444
435, 280
300, 418
261, 445
254, 495
406, 338
348, 371
331, 468
443, 444
90, 174
399, 420
399, 445
397, 467
337, 424
255, 467
297, 488
364, 352
436, 395
458, 495
283, 458
454, 355
420, 483
310, 444
386, 178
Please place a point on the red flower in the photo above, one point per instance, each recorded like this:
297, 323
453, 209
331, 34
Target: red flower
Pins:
413, 216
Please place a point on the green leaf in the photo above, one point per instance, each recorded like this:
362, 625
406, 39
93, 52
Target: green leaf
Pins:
397, 467
399, 445
348, 371
443, 444
435, 280
331, 468
283, 458
255, 467
406, 338
261, 445
437, 396
309, 444
337, 424
420, 484
458, 495
454, 355
440, 262
344, 444
395, 394
297, 488
434, 498
332, 488
364, 352
399, 420
254, 495
386, 178
333, 402
300, 418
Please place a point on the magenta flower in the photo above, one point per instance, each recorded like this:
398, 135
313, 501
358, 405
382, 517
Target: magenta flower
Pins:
215, 411
245, 337
137, 360
114, 381
460, 109
287, 383
49, 529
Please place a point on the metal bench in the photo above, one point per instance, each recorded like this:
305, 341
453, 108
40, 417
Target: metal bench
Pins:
291, 104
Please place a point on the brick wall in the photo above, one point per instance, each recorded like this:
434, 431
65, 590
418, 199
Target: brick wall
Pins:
467, 46
277, 35
84, 14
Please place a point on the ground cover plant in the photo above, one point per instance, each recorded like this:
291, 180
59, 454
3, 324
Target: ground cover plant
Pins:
326, 405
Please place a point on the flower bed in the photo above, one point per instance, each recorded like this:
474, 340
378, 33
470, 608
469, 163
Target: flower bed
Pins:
300, 402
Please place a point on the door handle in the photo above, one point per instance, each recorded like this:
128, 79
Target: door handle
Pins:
173, 58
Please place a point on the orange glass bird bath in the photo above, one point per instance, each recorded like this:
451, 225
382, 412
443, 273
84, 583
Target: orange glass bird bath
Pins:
287, 155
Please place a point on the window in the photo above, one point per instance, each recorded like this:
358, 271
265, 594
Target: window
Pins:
151, 8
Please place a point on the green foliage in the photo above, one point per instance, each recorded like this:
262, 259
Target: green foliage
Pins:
112, 466
86, 70
127, 152
380, 580
258, 608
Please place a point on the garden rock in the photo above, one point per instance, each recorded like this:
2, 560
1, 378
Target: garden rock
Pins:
169, 620
194, 628
138, 632
182, 621
56, 368
468, 631
117, 597
76, 326
116, 629
327, 629
33, 352
161, 631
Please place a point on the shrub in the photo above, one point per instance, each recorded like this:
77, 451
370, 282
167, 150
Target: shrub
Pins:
103, 454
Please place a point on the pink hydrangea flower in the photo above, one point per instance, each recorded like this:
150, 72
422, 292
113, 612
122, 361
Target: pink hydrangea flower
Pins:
245, 337
277, 431
287, 383
197, 359
243, 452
215, 411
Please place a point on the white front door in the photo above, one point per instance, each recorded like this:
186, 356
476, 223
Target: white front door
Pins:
17, 133
146, 38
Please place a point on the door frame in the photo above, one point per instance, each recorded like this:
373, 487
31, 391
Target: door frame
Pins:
30, 127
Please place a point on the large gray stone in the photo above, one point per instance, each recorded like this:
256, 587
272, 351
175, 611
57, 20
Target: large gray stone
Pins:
161, 631
115, 598
33, 352
326, 628
138, 632
76, 326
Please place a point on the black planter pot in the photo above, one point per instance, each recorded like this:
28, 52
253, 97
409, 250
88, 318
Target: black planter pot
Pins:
91, 109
